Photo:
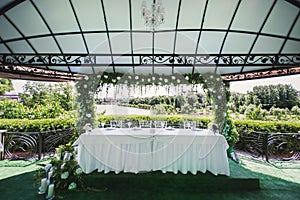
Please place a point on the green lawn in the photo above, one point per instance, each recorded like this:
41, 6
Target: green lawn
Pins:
280, 181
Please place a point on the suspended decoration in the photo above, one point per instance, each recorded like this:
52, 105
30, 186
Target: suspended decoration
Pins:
155, 16
212, 84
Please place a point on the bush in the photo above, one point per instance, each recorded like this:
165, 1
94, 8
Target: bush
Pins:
27, 125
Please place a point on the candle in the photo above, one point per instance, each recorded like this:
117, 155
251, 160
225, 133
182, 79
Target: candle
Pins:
67, 156
50, 191
43, 186
50, 174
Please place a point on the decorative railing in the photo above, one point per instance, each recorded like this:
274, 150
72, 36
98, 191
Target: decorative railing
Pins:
270, 146
29, 145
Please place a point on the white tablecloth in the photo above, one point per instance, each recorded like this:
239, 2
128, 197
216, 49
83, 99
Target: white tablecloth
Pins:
140, 150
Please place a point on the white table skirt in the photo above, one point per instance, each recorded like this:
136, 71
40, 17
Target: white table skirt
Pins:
141, 150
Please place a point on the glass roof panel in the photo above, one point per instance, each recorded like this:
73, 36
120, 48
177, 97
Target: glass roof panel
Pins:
7, 30
71, 43
59, 68
183, 70
120, 42
291, 47
229, 70
99, 69
210, 42
125, 70
20, 47
27, 19
252, 68
186, 42
122, 59
296, 30
142, 42
5, 3
117, 14
251, 14
138, 22
166, 70
97, 43
58, 14
267, 44
45, 45
191, 13
203, 70
104, 60
238, 43
90, 14
164, 42
4, 49
277, 24
85, 70
171, 10
219, 13
143, 70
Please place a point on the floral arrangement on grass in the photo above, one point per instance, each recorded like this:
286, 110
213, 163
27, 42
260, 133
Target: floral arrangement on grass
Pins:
62, 173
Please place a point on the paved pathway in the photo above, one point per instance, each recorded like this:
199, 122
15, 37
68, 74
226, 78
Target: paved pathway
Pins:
121, 110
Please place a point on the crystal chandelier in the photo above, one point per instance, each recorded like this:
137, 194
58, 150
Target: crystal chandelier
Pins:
155, 16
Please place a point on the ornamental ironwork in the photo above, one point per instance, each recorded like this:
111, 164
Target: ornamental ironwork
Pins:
150, 59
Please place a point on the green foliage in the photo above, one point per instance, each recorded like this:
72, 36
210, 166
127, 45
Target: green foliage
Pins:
255, 112
26, 125
268, 126
36, 93
11, 109
230, 132
5, 85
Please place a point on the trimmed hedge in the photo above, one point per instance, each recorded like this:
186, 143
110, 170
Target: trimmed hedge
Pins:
268, 126
26, 125
36, 125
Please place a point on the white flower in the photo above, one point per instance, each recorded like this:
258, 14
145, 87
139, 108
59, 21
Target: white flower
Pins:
85, 85
72, 186
166, 80
47, 167
148, 79
173, 77
78, 171
187, 78
105, 76
178, 80
143, 80
218, 79
86, 78
64, 175
118, 78
160, 78
211, 76
88, 115
63, 165
129, 77
1, 113
136, 77
98, 76
153, 78
219, 97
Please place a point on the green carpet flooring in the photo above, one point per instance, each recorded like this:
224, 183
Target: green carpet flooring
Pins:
275, 183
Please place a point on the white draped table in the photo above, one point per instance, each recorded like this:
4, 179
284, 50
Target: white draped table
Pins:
142, 150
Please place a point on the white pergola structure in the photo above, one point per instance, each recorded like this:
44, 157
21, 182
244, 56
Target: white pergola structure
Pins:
59, 40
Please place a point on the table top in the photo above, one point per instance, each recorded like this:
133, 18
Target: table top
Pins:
140, 135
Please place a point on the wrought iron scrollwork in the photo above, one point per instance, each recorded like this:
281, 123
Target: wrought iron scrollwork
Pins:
30, 145
283, 146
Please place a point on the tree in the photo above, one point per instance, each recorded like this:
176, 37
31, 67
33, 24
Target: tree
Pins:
37, 93
280, 96
5, 85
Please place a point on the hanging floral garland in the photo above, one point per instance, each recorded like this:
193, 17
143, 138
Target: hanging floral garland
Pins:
212, 84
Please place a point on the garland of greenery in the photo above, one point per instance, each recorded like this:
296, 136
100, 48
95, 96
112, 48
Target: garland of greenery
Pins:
213, 86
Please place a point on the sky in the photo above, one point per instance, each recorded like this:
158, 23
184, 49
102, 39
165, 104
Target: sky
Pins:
236, 86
